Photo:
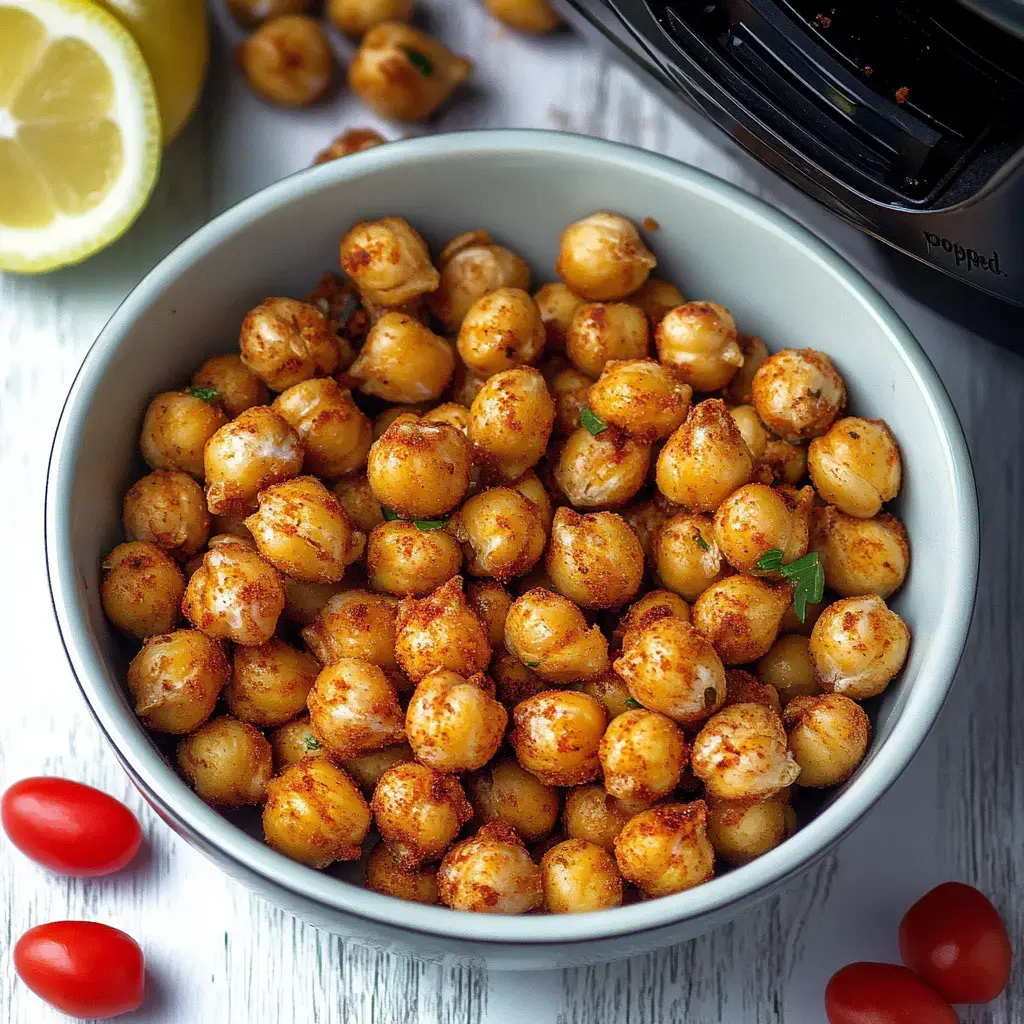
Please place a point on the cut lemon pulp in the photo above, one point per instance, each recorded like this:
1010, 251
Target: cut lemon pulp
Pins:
79, 132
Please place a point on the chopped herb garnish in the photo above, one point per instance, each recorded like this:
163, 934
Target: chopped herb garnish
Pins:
805, 573
389, 514
531, 664
206, 394
420, 61
430, 524
855, 435
591, 421
312, 744
701, 542
345, 311
632, 702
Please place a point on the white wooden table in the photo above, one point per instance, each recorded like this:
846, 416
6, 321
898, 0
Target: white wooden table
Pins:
218, 954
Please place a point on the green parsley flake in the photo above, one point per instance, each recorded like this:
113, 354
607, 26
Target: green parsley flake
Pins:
420, 61
312, 744
591, 421
430, 524
806, 574
632, 702
389, 514
204, 393
701, 542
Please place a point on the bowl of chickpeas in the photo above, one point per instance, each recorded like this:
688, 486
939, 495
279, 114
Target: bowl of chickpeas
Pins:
498, 545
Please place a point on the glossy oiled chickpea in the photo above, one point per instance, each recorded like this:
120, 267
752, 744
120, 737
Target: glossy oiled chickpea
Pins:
741, 388
356, 497
175, 680
292, 742
671, 668
860, 556
594, 559
396, 414
601, 470
403, 361
141, 589
530, 486
656, 298
652, 607
647, 516
367, 769
603, 257
600, 332
514, 681
403, 74
788, 668
642, 756
354, 140
452, 413
570, 390
253, 451
356, 17
419, 812
828, 737
501, 329
549, 634
402, 559
234, 595
384, 874
741, 753
686, 555
228, 762
441, 631
236, 388
743, 830
506, 792
421, 470
490, 873
743, 688
466, 385
782, 461
252, 12
510, 421
501, 533
535, 17
285, 341
798, 393
741, 616
698, 341
288, 61
454, 724
491, 601
269, 683
388, 260
857, 646
354, 624
610, 690
315, 814
641, 397
578, 877
666, 849
856, 466
592, 814
335, 432
756, 518
791, 623
755, 435
705, 460
557, 305
557, 734
175, 430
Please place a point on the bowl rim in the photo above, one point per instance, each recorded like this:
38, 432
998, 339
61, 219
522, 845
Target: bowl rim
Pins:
206, 828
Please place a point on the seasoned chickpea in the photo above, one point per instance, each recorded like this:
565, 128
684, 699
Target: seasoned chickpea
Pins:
782, 461
421, 470
741, 387
252, 12
403, 559
600, 332
403, 74
228, 762
452, 413
505, 792
490, 873
857, 646
686, 555
592, 814
288, 61
698, 341
646, 517
643, 754
269, 683
388, 261
292, 742
236, 388
501, 533
356, 497
743, 688
557, 305
671, 668
610, 690
570, 390
652, 607
828, 737
535, 17
396, 414
666, 849
285, 341
579, 876
234, 595
354, 624
403, 361
353, 140
792, 624
798, 393
556, 736
741, 616
255, 450
787, 667
510, 421
754, 433
656, 298
501, 329
705, 460
860, 556
441, 631
466, 385
141, 589
356, 17
601, 470
491, 601
743, 830
418, 812
384, 874
856, 466
175, 680
756, 518
640, 397
549, 634
530, 486
315, 814
741, 753
175, 430
603, 258
367, 769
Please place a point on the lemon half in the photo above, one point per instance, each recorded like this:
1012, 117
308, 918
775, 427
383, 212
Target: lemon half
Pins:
79, 132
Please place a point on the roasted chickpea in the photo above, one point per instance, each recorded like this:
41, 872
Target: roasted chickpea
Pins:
549, 634
396, 414
288, 61
601, 332
501, 533
355, 495
490, 873
452, 413
705, 460
228, 762
510, 421
556, 736
686, 555
782, 461
269, 683
384, 874
752, 430
367, 769
315, 814
647, 516
860, 556
592, 814
828, 737
141, 589
236, 388
303, 601
175, 429
292, 742
741, 616
356, 17
255, 450
666, 849
570, 390
743, 830
652, 607
743, 688
787, 667
856, 466
466, 385
403, 361
501, 329
741, 388
252, 12
671, 668
514, 681
398, 86
418, 812
643, 754
641, 397
353, 140
285, 341
234, 595
529, 486
403, 559
579, 876
741, 753
656, 298
421, 470
603, 258
441, 631
354, 624
175, 680
698, 341
755, 519
491, 601
857, 646
610, 690
505, 792
601, 470
388, 260
798, 393
535, 17
557, 305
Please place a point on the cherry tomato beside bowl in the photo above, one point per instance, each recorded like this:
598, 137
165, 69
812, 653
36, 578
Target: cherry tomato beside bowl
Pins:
867, 993
69, 827
955, 939
84, 969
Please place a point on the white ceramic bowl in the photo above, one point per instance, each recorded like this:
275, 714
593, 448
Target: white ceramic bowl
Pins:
717, 243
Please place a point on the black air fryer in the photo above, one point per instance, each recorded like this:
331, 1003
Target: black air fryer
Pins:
905, 118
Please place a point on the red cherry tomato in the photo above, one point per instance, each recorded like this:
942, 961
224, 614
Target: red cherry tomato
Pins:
955, 939
84, 969
867, 993
69, 827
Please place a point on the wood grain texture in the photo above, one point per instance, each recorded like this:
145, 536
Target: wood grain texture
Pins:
217, 953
